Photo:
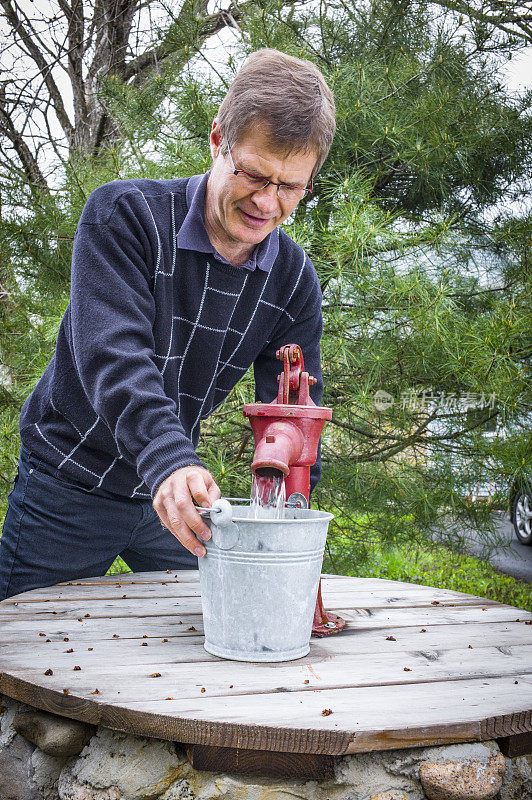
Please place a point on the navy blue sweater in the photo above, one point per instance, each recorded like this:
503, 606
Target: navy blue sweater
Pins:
154, 339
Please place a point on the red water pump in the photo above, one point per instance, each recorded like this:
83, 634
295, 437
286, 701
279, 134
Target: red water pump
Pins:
287, 432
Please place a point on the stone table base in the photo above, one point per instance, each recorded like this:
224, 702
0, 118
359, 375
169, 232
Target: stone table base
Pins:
117, 766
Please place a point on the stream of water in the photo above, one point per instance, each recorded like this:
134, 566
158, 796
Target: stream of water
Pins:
268, 497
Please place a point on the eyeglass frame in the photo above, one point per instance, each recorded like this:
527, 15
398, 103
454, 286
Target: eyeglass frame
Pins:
306, 190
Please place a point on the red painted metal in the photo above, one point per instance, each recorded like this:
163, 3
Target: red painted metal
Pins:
287, 433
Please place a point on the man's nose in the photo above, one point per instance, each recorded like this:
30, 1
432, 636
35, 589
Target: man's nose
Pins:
266, 199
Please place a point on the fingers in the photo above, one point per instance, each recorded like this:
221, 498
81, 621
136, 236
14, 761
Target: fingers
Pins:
174, 503
184, 522
212, 488
197, 486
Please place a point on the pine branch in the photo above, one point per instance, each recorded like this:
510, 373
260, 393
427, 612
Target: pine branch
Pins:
500, 21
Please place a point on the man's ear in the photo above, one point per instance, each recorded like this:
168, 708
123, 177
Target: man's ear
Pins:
216, 138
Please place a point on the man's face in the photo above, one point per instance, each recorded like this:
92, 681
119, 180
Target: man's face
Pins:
236, 217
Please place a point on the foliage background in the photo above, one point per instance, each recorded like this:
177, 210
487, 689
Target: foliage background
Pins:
418, 228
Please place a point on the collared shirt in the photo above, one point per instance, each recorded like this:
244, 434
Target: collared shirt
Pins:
193, 233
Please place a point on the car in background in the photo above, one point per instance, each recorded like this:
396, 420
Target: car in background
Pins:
520, 504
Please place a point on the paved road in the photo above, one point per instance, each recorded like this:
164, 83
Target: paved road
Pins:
512, 557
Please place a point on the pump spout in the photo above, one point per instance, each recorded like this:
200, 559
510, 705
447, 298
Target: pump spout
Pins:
279, 446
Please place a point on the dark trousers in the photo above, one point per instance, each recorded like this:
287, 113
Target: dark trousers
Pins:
56, 531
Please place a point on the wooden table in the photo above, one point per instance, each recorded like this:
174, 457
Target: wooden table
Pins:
415, 666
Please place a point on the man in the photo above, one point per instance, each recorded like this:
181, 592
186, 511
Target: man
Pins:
178, 286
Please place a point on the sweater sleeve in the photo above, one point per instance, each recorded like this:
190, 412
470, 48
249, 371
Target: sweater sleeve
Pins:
303, 327
112, 314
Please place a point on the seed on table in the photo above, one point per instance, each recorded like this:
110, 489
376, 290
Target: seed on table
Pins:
307, 681
192, 628
70, 650
96, 691
48, 672
116, 636
66, 691
407, 669
165, 640
76, 668
326, 712
90, 648
391, 639
144, 644
202, 689
66, 639
155, 675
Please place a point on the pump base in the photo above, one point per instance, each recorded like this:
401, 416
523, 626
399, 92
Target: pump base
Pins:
332, 624
325, 622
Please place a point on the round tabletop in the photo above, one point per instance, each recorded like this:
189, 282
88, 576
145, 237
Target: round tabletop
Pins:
414, 666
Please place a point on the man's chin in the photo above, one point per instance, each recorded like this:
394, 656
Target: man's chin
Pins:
251, 236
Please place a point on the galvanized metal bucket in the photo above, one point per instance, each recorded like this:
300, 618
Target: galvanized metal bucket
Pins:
259, 582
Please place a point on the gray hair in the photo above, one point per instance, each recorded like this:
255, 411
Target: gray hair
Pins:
289, 95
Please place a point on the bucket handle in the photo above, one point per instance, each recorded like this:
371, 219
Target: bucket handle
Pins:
225, 532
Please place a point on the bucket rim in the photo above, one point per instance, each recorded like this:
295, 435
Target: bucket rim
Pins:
323, 515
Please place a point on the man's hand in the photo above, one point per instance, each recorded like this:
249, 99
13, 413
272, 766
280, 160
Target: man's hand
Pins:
174, 503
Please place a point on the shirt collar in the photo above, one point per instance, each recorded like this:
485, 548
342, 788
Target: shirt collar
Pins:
193, 233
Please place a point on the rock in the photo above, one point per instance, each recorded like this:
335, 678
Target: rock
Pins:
56, 736
15, 771
45, 771
389, 796
467, 780
115, 766
26, 773
389, 775
517, 781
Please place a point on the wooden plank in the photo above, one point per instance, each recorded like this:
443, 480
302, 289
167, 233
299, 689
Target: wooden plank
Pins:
168, 597
362, 719
130, 619
351, 586
126, 682
518, 745
105, 651
238, 761
336, 589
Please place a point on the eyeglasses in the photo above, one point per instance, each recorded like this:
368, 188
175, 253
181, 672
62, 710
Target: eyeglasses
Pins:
257, 182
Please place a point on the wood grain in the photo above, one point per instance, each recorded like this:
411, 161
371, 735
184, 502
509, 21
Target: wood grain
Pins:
518, 745
415, 666
296, 766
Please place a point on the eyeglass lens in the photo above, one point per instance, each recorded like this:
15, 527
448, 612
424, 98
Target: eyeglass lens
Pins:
284, 191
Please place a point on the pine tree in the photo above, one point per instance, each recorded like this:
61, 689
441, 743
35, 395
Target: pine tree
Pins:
415, 228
